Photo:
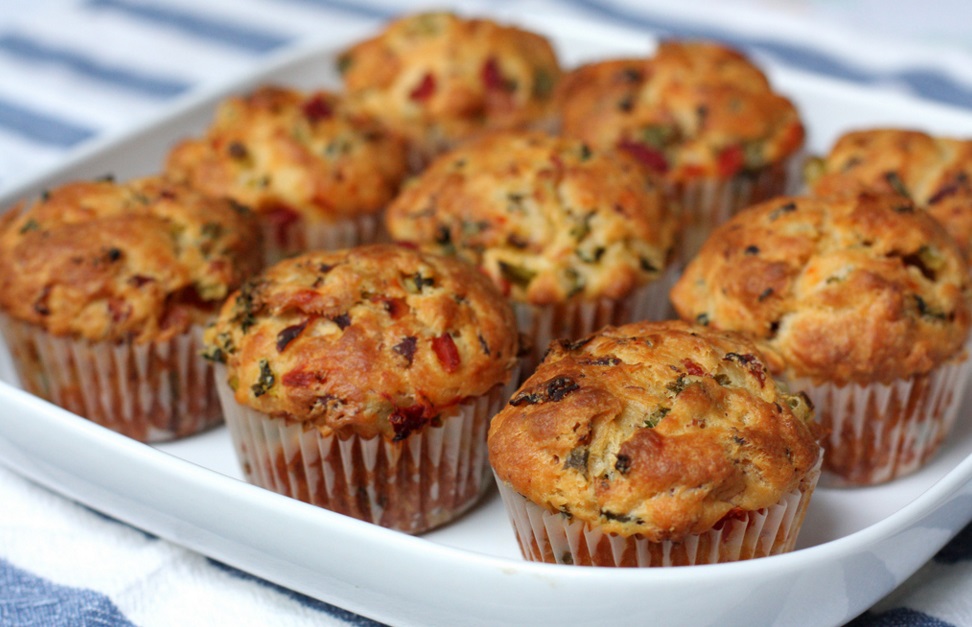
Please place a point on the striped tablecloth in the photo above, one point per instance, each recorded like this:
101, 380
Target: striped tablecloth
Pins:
74, 72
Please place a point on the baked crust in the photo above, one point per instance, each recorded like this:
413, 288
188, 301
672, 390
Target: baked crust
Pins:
141, 260
439, 78
287, 154
378, 339
859, 287
935, 172
692, 110
655, 428
547, 218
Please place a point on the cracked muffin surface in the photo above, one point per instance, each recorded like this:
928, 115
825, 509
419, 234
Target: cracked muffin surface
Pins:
655, 428
857, 287
548, 219
934, 171
377, 339
141, 260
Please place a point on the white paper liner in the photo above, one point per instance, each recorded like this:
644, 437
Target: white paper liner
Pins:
880, 432
707, 203
576, 319
282, 241
151, 392
555, 538
413, 485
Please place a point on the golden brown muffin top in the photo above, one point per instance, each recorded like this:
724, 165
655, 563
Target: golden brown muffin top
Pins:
547, 218
379, 339
692, 110
657, 428
439, 78
853, 288
935, 172
287, 154
140, 260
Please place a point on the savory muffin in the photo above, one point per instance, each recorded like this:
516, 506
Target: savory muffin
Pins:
363, 380
316, 174
104, 289
654, 444
935, 172
862, 301
439, 78
576, 237
699, 114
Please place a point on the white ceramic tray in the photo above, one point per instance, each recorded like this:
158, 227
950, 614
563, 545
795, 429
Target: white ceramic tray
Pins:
856, 545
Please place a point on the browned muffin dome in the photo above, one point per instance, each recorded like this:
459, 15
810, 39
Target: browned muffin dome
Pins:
291, 155
851, 288
440, 78
140, 260
692, 110
548, 219
935, 172
660, 429
373, 340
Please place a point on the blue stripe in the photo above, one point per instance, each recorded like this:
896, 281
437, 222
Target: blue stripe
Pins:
241, 36
41, 128
320, 606
898, 617
354, 8
29, 50
927, 82
29, 600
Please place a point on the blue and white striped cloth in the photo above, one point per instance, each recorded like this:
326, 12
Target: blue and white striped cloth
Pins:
74, 72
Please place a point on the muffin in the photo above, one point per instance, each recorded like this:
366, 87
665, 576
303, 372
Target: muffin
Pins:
316, 174
439, 79
363, 380
576, 238
934, 172
104, 291
654, 444
859, 299
700, 115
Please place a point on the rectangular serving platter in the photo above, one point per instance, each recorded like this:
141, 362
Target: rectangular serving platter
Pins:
856, 545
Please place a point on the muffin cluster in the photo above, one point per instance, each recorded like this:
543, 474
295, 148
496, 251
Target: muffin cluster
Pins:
469, 263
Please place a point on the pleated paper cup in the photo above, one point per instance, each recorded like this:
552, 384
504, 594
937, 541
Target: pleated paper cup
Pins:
152, 392
282, 240
706, 203
877, 432
556, 538
572, 320
412, 485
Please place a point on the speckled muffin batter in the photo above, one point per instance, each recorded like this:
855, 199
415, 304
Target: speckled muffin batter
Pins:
363, 381
935, 172
548, 219
104, 289
440, 78
317, 174
656, 430
575, 237
135, 261
699, 114
861, 299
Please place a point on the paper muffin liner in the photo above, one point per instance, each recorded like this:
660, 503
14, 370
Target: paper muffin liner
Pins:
879, 432
542, 324
152, 392
706, 203
413, 485
556, 538
285, 240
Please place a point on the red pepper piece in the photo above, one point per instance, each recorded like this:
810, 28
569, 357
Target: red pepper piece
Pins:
693, 368
424, 89
652, 158
447, 352
318, 108
492, 78
731, 161
280, 218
